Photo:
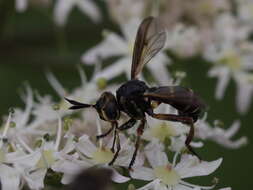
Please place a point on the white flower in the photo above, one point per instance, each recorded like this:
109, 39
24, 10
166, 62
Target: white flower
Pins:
64, 7
89, 155
244, 9
165, 175
184, 40
88, 92
122, 11
20, 130
101, 156
231, 54
115, 45
35, 165
160, 130
9, 178
221, 136
163, 129
100, 153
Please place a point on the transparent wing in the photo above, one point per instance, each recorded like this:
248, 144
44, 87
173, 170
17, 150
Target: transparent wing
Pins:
150, 39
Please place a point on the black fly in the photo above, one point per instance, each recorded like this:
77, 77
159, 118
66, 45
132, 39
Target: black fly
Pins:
135, 98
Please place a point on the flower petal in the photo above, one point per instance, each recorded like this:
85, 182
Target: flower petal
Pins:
89, 8
142, 173
154, 185
62, 10
183, 187
9, 177
244, 93
35, 180
155, 155
223, 75
85, 146
118, 178
190, 166
113, 45
115, 69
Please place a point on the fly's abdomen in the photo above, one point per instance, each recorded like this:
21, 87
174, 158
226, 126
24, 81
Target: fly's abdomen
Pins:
181, 98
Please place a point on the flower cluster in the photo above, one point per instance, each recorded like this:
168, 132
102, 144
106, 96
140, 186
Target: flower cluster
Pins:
219, 31
45, 138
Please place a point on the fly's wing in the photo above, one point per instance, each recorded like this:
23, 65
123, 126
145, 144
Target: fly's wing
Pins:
150, 39
163, 94
177, 96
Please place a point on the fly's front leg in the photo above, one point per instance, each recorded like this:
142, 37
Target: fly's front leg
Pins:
118, 148
106, 133
114, 126
137, 143
183, 119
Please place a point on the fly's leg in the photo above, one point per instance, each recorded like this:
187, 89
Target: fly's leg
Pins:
114, 126
171, 117
130, 123
137, 143
183, 119
127, 125
118, 148
189, 139
106, 133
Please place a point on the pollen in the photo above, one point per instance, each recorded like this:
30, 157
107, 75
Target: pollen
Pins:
162, 131
102, 156
167, 175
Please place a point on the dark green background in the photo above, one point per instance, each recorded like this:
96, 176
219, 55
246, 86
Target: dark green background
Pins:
31, 44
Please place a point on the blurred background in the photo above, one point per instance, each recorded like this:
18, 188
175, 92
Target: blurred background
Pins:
32, 43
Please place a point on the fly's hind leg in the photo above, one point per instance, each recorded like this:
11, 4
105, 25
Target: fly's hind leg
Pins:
189, 139
183, 119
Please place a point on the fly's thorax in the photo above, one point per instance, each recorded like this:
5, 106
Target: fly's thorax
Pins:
107, 107
130, 98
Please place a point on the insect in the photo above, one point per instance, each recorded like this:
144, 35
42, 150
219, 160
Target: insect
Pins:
136, 99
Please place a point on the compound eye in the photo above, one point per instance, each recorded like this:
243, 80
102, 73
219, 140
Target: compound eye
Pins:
107, 107
111, 112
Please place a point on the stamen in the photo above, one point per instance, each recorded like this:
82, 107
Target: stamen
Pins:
56, 84
175, 159
7, 125
59, 133
29, 104
25, 145
82, 75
